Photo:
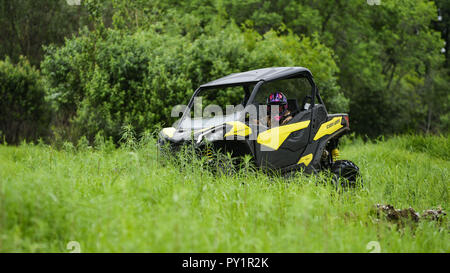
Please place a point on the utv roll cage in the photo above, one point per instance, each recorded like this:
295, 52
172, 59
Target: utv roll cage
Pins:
258, 77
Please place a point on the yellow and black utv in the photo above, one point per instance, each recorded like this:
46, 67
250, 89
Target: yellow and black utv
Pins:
229, 113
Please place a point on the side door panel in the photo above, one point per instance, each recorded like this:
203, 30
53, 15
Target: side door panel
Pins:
281, 146
310, 153
319, 116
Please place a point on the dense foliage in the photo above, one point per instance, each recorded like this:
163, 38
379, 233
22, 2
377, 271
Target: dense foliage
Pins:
24, 112
27, 25
128, 62
136, 78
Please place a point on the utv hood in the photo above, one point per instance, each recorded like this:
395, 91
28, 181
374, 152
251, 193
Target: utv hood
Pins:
212, 129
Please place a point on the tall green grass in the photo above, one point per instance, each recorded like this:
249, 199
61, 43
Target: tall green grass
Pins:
127, 200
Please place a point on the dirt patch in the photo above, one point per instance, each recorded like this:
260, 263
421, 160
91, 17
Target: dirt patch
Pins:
434, 215
389, 213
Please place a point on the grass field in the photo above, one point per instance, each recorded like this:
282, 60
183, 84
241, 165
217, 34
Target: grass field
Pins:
125, 200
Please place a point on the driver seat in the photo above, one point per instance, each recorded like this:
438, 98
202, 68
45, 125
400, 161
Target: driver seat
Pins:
293, 106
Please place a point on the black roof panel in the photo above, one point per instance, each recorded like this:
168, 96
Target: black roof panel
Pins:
253, 76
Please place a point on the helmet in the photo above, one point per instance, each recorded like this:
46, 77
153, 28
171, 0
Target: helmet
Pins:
279, 99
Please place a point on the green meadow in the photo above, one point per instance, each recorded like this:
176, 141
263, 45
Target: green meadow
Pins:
128, 199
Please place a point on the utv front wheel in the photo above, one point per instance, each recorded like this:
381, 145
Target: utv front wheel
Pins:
346, 173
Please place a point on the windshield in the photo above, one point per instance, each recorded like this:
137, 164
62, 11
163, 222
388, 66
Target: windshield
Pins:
213, 106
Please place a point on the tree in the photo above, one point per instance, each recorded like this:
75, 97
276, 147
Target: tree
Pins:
27, 25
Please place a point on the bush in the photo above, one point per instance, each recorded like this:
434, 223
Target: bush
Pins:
101, 83
434, 145
24, 111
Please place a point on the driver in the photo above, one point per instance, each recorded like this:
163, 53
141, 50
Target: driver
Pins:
283, 115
